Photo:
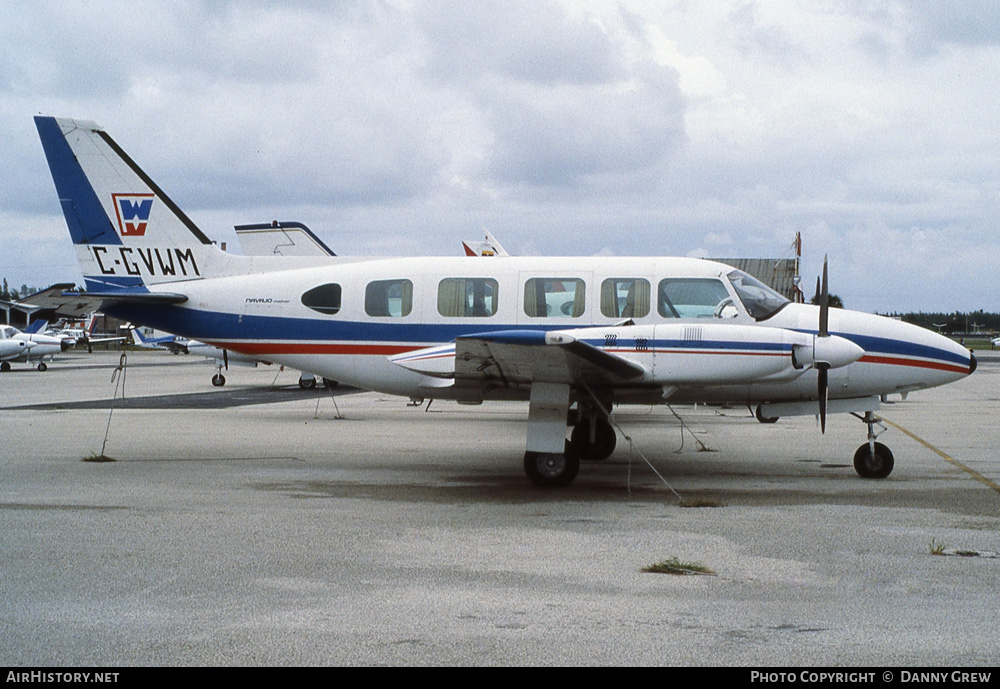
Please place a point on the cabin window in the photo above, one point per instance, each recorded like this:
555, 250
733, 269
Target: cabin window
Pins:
392, 298
325, 298
625, 297
690, 297
467, 297
554, 297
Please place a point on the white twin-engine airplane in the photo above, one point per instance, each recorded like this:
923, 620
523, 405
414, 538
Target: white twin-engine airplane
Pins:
558, 332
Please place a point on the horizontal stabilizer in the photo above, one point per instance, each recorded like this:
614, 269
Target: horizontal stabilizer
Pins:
126, 297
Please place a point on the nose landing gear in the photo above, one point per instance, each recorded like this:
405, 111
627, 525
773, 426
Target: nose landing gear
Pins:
873, 460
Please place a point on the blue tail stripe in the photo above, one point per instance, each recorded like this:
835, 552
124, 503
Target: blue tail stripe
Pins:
88, 222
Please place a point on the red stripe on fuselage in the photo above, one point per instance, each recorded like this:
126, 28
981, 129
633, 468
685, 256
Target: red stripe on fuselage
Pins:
263, 348
915, 363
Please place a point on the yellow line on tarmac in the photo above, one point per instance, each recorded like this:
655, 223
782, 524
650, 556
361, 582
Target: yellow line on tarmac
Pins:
971, 472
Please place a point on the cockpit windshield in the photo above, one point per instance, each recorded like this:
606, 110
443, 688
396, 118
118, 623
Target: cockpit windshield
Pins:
760, 301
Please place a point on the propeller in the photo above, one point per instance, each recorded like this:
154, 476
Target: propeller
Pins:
823, 367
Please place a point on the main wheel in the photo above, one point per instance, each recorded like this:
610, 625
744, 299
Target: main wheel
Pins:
42, 366
764, 419
878, 465
5, 366
307, 383
604, 442
218, 380
551, 470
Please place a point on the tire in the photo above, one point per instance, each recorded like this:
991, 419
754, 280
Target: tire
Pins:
4, 366
548, 470
605, 440
307, 383
42, 366
878, 466
218, 380
764, 419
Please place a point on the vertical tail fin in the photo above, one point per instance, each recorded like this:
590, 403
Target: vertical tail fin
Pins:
35, 327
128, 233
137, 337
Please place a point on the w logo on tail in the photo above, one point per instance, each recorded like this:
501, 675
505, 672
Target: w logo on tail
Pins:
133, 213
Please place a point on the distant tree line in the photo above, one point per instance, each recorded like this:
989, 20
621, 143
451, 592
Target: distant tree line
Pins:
8, 294
958, 322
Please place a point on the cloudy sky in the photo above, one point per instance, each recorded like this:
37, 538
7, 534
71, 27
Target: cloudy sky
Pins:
572, 127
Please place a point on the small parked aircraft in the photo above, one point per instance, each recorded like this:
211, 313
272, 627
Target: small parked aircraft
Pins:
36, 346
11, 349
557, 332
223, 357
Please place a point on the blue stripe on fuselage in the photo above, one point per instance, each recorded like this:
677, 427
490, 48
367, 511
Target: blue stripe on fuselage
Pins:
216, 326
887, 346
696, 345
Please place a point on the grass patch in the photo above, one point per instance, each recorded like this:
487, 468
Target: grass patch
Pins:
936, 548
98, 458
675, 566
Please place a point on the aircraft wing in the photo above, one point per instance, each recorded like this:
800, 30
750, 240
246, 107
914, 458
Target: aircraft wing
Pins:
60, 299
519, 357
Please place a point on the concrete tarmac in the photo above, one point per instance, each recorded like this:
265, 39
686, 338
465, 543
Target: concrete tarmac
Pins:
258, 524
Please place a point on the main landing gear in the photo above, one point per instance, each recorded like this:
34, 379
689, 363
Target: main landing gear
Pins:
593, 436
873, 460
550, 460
552, 469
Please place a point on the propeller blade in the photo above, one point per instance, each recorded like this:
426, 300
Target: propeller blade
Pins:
824, 305
823, 392
823, 367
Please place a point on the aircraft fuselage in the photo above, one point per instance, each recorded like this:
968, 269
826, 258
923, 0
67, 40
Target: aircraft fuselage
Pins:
262, 314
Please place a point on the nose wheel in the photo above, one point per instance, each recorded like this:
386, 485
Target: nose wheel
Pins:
873, 460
